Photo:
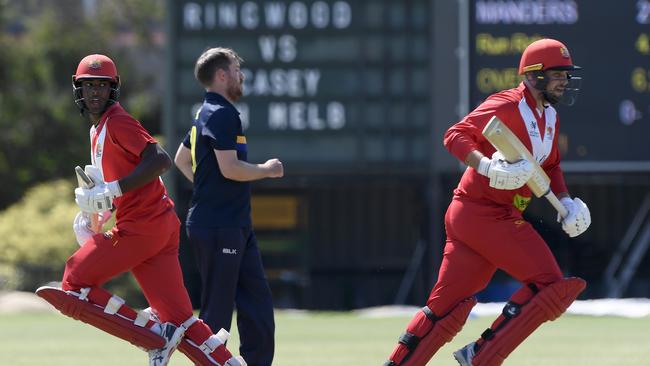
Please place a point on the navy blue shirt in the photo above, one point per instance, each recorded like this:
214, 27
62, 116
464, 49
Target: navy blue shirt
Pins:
217, 201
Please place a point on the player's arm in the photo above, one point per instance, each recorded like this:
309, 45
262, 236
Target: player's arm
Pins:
183, 161
462, 140
233, 168
473, 159
155, 161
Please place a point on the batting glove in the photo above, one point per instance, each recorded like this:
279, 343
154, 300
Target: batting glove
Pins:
81, 227
94, 173
99, 198
505, 175
578, 219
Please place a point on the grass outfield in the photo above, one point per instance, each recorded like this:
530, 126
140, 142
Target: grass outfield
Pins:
326, 339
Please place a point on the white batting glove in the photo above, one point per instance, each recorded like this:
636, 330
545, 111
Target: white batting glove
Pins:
578, 218
81, 227
505, 175
99, 198
94, 173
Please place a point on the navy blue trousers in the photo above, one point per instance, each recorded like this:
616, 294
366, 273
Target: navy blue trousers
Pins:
232, 276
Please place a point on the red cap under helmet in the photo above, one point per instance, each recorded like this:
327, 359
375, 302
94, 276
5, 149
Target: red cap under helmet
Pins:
545, 54
96, 67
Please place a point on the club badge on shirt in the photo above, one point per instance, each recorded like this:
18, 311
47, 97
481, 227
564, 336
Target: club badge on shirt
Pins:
541, 148
98, 151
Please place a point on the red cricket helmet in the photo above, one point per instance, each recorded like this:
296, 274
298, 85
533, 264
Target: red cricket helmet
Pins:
545, 54
96, 67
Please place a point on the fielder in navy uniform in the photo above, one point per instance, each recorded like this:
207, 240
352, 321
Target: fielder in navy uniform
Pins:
213, 157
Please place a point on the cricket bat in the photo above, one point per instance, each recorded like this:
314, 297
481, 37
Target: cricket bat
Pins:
504, 140
84, 181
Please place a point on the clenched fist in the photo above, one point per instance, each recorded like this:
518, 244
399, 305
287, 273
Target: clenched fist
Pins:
274, 168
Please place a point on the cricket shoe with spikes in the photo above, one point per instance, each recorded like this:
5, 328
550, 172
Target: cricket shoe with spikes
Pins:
173, 335
465, 355
212, 352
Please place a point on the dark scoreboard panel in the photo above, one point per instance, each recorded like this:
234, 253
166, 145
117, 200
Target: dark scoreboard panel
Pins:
609, 39
329, 84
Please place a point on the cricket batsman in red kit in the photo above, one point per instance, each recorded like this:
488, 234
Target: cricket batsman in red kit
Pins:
126, 167
484, 224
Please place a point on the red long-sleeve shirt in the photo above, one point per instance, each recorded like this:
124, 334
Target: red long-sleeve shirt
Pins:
466, 136
116, 145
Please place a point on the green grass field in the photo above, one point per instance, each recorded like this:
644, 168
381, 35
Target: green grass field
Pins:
326, 339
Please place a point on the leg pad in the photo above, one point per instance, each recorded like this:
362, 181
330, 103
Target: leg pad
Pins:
548, 304
212, 352
95, 315
426, 333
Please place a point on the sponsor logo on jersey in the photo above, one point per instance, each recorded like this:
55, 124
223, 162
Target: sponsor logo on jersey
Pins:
229, 251
521, 202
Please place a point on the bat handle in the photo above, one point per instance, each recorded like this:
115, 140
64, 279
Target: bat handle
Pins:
85, 181
552, 198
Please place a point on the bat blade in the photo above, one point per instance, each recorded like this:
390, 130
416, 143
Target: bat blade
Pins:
84, 181
507, 143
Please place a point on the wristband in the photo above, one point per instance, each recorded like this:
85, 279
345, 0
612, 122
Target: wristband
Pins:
484, 166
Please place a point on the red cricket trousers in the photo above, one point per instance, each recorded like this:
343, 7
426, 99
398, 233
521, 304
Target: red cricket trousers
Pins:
151, 256
481, 238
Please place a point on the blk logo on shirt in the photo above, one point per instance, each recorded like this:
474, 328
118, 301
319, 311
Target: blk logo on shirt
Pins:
229, 251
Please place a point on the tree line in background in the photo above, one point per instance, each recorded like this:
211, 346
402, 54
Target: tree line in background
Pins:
43, 134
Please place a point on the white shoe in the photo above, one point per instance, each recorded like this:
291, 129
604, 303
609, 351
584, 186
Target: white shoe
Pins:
465, 355
236, 361
173, 335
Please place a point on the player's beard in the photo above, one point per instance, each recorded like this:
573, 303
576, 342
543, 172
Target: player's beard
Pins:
234, 90
552, 96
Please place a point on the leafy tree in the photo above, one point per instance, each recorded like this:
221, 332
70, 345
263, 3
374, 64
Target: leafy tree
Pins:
43, 135
37, 239
37, 235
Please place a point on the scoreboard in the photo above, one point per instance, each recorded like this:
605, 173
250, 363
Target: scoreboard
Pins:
610, 121
347, 85
330, 84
